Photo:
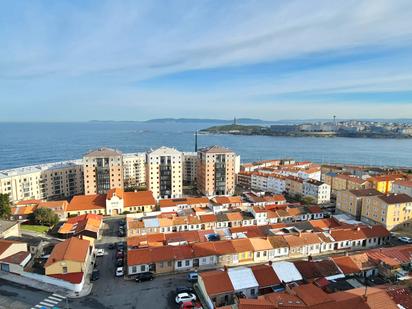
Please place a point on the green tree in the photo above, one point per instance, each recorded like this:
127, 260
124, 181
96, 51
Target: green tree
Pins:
307, 200
44, 216
5, 209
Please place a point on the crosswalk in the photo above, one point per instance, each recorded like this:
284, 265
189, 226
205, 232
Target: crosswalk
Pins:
50, 302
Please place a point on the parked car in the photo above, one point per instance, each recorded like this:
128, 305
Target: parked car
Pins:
99, 252
119, 255
190, 305
122, 223
119, 272
184, 289
112, 246
95, 275
185, 297
405, 239
119, 263
192, 277
120, 245
148, 276
121, 233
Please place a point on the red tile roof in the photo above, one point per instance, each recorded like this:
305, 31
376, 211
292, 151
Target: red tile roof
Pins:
217, 282
346, 264
265, 275
75, 278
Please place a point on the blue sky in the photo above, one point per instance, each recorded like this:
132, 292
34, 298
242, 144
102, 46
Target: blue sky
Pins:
136, 60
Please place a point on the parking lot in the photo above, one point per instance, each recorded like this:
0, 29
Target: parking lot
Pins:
113, 292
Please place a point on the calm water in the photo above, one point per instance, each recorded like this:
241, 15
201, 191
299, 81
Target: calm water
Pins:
30, 143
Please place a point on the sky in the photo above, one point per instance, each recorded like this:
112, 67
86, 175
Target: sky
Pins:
83, 60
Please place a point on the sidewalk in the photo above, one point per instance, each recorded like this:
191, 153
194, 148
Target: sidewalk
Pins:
33, 283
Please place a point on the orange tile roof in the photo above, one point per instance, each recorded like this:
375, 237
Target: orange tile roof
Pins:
217, 282
207, 218
294, 211
139, 198
242, 245
234, 216
115, 192
23, 210
375, 298
72, 249
260, 244
183, 252
312, 295
28, 202
87, 202
302, 239
224, 247
346, 264
181, 201
228, 199
204, 249
135, 224
139, 256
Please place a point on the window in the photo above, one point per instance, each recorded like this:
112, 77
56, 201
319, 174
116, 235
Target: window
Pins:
64, 269
187, 263
142, 268
179, 264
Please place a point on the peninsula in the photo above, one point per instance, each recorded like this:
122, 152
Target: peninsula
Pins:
352, 128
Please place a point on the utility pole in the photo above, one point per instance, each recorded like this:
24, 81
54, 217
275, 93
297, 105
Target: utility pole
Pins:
196, 140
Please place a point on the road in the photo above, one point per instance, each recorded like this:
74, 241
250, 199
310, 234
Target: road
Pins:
14, 296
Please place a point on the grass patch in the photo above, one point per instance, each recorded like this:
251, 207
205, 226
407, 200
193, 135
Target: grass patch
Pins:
35, 228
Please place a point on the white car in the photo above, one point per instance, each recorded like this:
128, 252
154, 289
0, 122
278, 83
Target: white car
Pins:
184, 297
99, 252
119, 272
405, 239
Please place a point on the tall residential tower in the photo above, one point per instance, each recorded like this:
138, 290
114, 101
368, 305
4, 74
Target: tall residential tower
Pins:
216, 171
103, 170
164, 172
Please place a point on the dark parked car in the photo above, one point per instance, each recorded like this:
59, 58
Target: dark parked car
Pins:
144, 277
120, 245
122, 223
119, 255
121, 233
95, 275
184, 289
112, 246
119, 263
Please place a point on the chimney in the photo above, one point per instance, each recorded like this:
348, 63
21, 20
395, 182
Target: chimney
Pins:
225, 268
270, 263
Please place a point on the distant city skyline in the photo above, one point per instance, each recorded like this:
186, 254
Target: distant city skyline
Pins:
272, 60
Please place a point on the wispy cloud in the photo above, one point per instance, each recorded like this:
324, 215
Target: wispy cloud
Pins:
232, 55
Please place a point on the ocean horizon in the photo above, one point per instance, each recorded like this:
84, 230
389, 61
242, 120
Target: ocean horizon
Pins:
30, 143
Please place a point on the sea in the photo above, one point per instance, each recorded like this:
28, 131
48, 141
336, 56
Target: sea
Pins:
23, 144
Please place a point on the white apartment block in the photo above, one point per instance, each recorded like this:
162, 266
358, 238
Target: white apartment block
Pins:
134, 169
402, 186
318, 190
268, 183
44, 181
164, 172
